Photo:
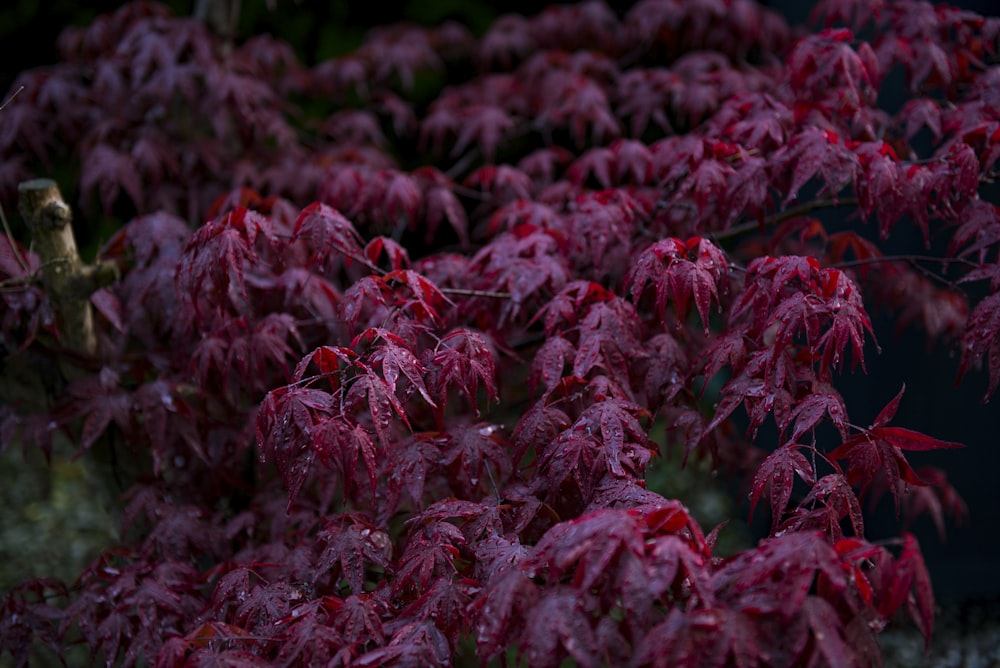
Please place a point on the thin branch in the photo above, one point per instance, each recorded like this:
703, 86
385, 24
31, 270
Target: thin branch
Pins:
661, 204
462, 292
3, 217
360, 260
885, 259
13, 244
463, 163
903, 258
19, 284
470, 157
658, 206
912, 260
782, 216
347, 254
11, 98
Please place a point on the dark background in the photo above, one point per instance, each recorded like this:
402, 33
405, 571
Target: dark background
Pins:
962, 568
965, 566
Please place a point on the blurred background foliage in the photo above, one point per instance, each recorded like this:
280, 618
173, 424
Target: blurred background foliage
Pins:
317, 30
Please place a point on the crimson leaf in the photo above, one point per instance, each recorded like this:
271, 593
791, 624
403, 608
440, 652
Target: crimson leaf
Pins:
775, 477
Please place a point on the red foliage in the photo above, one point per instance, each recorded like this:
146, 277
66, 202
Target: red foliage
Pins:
454, 420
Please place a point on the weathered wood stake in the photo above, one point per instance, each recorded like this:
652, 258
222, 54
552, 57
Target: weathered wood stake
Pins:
67, 280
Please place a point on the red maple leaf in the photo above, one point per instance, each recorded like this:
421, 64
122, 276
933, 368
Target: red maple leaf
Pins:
775, 477
691, 271
878, 450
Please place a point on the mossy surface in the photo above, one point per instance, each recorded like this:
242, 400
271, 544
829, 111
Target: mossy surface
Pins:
54, 518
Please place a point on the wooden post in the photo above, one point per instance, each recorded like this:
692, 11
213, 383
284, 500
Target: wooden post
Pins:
222, 16
67, 281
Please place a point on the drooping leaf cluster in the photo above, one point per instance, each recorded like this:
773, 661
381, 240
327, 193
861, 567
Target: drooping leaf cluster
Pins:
391, 405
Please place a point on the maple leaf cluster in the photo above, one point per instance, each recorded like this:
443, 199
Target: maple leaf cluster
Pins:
398, 365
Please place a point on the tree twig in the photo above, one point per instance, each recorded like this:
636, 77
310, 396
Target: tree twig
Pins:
13, 244
782, 216
11, 98
3, 217
463, 292
903, 258
912, 260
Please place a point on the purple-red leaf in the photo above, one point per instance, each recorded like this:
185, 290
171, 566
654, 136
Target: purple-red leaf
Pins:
328, 233
694, 270
462, 359
775, 477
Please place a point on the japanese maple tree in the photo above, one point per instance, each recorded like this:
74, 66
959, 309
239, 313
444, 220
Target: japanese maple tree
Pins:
395, 337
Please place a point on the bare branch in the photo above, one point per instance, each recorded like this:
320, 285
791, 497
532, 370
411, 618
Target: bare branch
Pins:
11, 98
